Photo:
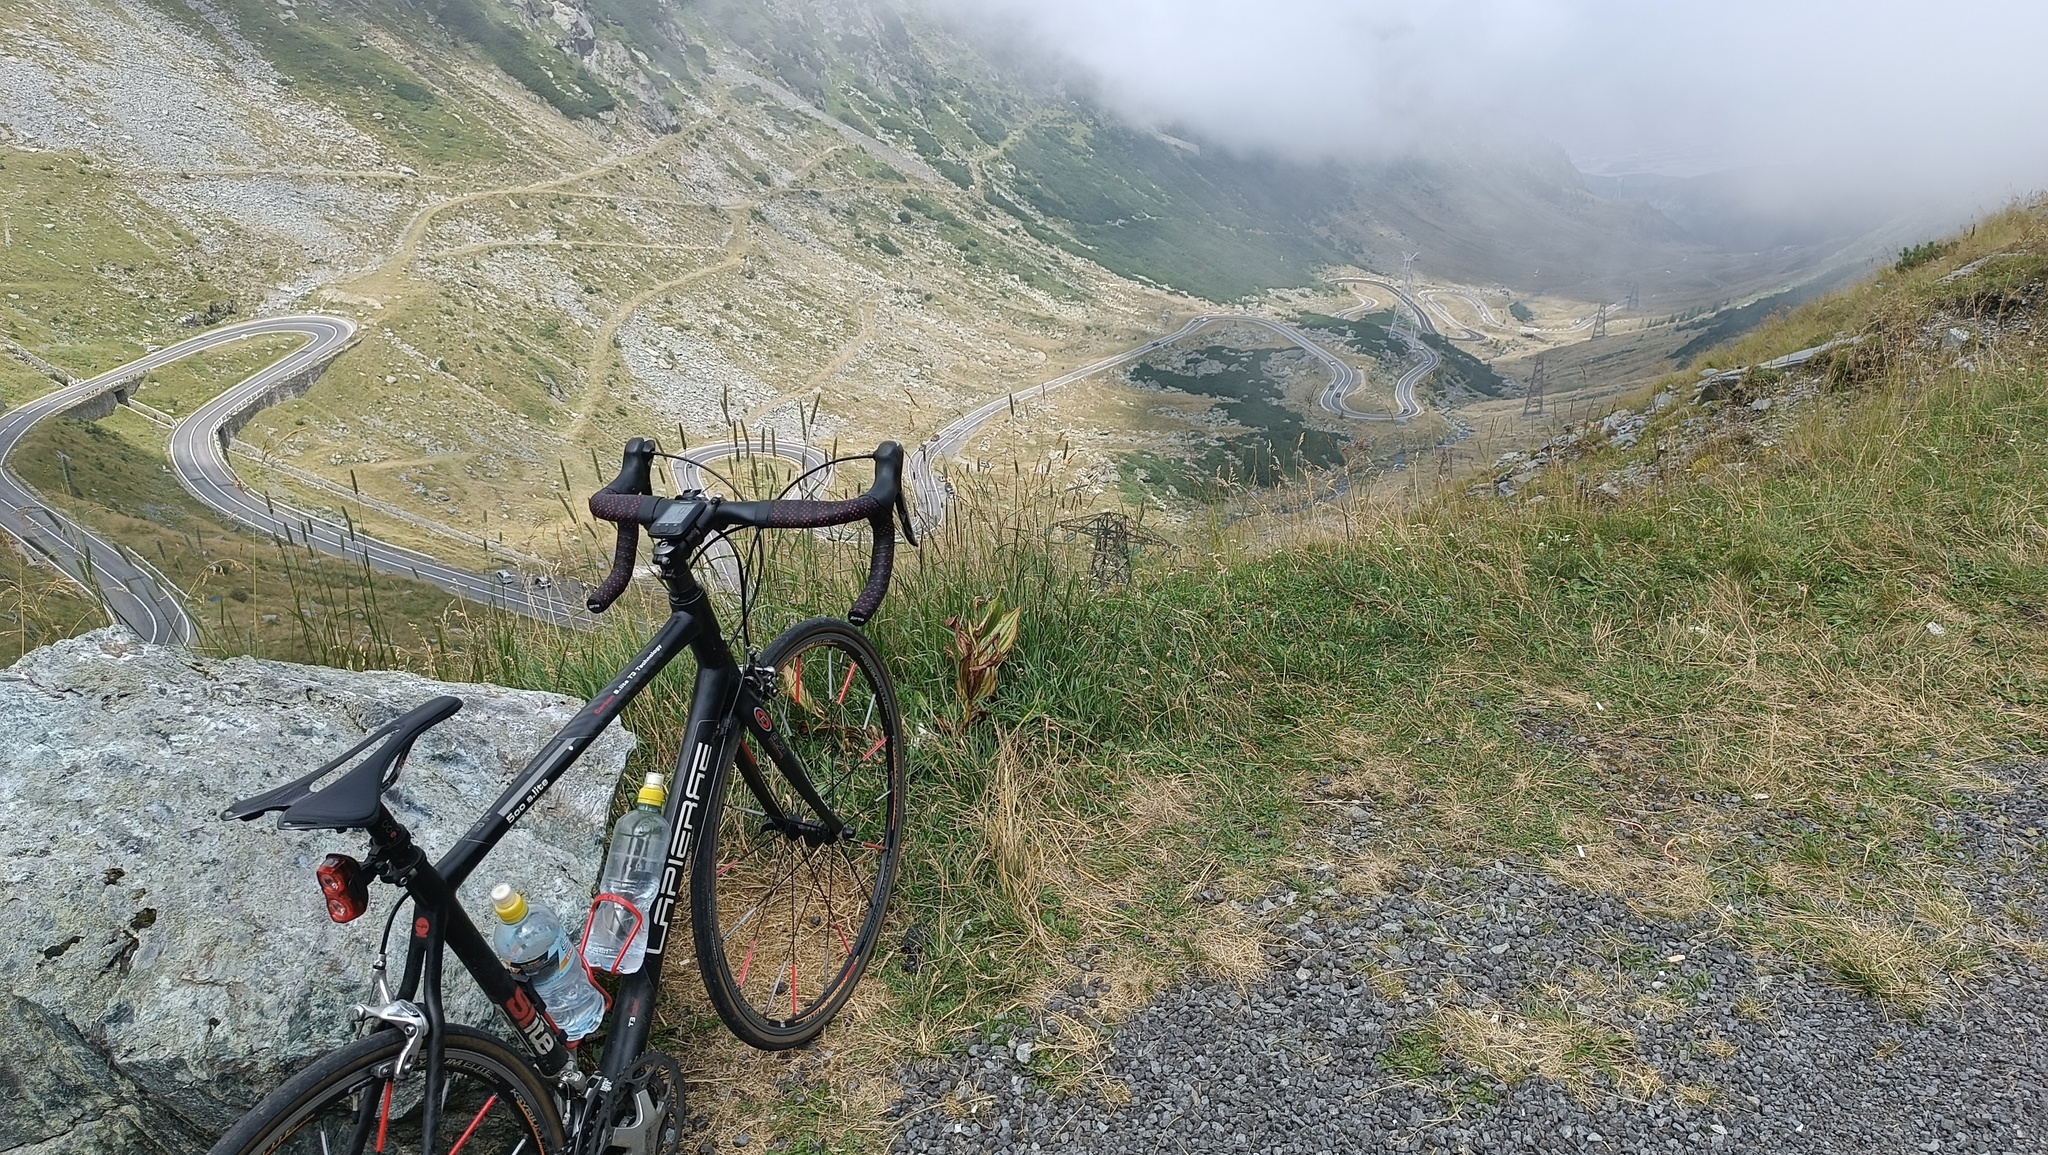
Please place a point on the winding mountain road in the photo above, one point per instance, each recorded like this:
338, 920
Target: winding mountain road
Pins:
931, 492
199, 461
134, 593
1434, 298
138, 597
1429, 301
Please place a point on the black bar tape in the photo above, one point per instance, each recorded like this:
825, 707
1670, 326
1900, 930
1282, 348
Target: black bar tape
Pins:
819, 514
623, 556
880, 563
625, 501
624, 508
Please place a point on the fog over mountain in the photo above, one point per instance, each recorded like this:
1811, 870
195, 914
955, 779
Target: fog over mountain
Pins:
1885, 106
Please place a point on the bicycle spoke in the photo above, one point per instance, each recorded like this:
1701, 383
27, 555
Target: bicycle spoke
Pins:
473, 1125
741, 924
772, 889
384, 1115
854, 870
852, 766
735, 863
825, 895
791, 919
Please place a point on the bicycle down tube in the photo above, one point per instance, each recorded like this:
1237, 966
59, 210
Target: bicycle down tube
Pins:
710, 737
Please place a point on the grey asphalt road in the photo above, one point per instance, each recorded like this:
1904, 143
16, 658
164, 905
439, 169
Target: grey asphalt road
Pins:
1415, 308
200, 465
810, 461
199, 462
133, 593
1434, 299
931, 492
814, 473
1423, 302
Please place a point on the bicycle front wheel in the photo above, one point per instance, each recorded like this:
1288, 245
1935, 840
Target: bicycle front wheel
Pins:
349, 1101
786, 900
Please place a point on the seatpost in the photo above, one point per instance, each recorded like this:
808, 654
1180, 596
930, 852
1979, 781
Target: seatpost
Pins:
398, 858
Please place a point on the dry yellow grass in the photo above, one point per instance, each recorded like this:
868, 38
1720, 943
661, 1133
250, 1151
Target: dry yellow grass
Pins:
1576, 1051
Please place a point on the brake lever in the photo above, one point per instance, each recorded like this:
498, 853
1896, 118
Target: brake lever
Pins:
903, 515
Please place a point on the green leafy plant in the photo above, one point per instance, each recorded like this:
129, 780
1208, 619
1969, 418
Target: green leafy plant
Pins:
982, 641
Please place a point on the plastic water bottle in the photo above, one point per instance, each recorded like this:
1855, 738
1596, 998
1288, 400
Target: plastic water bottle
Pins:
530, 940
632, 871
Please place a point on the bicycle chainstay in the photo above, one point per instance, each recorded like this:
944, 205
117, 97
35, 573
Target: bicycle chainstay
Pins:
650, 1099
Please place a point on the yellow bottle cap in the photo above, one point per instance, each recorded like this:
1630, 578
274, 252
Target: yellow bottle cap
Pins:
654, 793
509, 903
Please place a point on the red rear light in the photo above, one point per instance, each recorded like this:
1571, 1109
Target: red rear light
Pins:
347, 891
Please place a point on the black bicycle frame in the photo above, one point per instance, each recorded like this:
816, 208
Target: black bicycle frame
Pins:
722, 696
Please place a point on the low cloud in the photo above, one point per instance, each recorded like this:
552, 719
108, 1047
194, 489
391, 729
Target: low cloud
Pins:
1876, 101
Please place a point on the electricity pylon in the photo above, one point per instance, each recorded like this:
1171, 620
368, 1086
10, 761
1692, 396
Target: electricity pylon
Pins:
1532, 401
1116, 537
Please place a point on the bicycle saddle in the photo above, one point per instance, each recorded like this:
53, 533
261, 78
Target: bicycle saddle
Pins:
351, 802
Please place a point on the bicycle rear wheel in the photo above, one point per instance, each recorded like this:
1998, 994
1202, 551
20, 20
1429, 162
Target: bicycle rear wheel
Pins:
785, 912
347, 1103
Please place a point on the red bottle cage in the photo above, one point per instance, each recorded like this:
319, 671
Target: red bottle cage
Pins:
590, 920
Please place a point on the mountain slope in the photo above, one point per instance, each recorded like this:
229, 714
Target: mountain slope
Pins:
837, 222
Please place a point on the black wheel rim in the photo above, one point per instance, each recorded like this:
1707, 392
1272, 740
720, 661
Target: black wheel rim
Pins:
370, 1112
796, 915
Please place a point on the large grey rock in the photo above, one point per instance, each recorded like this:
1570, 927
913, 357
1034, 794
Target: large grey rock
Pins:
161, 969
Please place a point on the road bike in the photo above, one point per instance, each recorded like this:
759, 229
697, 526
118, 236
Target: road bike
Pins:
786, 821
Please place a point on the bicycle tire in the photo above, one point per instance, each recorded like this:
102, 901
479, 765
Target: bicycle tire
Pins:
475, 1061
747, 878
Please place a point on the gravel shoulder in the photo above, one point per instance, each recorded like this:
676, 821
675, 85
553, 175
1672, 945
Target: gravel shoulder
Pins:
1494, 1009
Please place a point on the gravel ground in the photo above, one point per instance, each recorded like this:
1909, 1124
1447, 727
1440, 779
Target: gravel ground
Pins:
1706, 1047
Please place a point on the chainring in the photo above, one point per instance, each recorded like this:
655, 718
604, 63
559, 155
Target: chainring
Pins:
647, 1109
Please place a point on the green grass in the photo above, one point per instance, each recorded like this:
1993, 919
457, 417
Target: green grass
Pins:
648, 25
328, 59
184, 385
87, 269
527, 57
1719, 327
1216, 228
1414, 1054
982, 246
37, 605
1723, 690
1460, 374
1913, 256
